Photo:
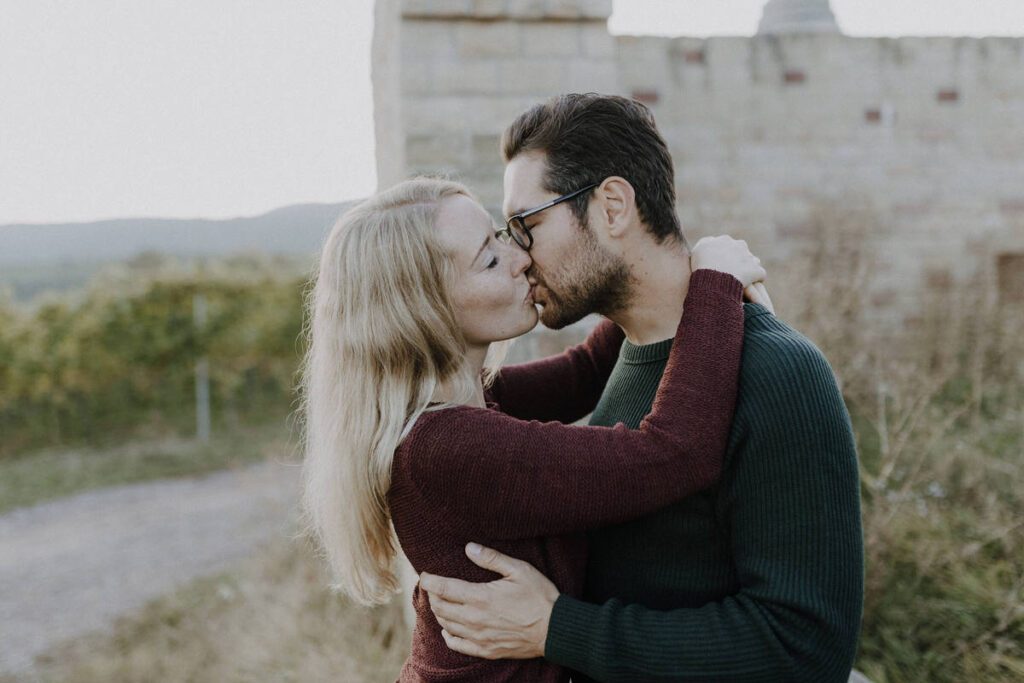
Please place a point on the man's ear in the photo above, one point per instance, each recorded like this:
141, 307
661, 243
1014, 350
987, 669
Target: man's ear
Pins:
617, 201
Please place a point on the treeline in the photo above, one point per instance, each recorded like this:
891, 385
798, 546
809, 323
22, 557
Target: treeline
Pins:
119, 358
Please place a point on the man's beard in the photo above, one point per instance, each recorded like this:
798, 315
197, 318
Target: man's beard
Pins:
595, 282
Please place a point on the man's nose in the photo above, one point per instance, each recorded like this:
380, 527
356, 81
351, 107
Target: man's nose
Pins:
521, 260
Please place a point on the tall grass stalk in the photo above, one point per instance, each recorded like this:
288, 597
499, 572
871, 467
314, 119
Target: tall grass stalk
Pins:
938, 408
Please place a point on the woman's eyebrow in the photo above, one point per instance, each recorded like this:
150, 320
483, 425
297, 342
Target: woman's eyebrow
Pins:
481, 249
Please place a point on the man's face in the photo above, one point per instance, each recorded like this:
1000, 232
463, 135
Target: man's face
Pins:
572, 274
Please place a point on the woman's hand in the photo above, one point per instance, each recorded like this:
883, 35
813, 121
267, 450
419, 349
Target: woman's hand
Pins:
758, 294
726, 255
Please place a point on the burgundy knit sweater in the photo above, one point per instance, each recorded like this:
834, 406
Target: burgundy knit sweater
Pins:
516, 478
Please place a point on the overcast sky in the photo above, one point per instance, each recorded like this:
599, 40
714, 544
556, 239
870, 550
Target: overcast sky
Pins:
215, 108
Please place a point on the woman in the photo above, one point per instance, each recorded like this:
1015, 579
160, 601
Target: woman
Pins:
414, 286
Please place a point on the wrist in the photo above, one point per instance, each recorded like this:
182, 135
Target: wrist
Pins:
572, 639
717, 281
544, 625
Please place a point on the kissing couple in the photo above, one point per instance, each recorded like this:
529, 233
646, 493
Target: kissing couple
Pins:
703, 525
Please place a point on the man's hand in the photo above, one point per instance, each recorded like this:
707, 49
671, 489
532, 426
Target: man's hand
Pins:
503, 619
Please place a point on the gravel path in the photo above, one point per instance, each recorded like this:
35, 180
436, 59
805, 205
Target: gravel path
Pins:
70, 566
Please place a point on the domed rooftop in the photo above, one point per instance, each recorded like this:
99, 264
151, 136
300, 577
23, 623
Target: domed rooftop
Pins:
797, 16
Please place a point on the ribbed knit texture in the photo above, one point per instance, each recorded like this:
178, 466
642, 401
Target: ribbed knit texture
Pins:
527, 488
759, 578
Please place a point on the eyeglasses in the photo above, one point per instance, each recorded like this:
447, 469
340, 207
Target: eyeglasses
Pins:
515, 227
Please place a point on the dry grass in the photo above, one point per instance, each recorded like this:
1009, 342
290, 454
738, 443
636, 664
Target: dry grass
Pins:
273, 620
938, 408
939, 414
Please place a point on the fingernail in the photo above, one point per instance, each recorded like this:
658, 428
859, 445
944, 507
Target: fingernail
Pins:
473, 549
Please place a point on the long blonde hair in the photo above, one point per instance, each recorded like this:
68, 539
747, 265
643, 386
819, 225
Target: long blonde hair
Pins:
382, 335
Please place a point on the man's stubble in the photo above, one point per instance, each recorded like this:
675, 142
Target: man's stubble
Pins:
594, 281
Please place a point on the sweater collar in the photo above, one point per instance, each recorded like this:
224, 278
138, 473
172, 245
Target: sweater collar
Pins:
658, 351
647, 353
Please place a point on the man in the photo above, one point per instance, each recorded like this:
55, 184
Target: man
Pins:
758, 579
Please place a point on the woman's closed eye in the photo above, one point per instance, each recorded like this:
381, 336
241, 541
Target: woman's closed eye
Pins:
493, 262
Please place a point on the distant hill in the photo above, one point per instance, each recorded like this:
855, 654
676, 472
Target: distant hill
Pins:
41, 258
297, 229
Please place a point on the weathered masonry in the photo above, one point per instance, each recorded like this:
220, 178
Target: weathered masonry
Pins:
925, 135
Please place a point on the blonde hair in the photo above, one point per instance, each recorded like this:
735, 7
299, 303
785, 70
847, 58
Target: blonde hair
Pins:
382, 335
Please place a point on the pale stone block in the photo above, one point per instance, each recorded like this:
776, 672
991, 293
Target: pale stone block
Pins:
485, 183
551, 40
643, 62
597, 42
526, 9
642, 47
487, 114
494, 115
651, 73
444, 8
751, 149
446, 150
414, 7
427, 40
435, 114
593, 76
563, 9
416, 77
489, 9
596, 9
542, 77
686, 44
467, 77
386, 71
486, 151
481, 40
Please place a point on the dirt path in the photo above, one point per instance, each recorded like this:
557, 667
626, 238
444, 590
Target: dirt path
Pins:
70, 566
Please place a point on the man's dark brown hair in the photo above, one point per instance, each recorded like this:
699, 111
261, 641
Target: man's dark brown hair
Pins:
588, 137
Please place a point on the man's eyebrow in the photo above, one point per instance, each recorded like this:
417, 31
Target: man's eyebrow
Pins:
516, 212
526, 209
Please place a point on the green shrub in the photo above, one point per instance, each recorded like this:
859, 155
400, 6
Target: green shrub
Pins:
120, 359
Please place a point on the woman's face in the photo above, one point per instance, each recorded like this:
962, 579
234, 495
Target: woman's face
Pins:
492, 297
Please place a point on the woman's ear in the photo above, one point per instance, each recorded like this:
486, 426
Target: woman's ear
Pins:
617, 200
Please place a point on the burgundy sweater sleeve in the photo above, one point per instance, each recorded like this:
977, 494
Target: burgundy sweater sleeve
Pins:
579, 374
501, 478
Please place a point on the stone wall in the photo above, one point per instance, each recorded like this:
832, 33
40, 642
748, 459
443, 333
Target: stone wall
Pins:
772, 136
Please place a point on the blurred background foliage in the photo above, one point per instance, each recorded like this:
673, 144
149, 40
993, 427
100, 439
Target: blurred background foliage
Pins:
937, 401
117, 360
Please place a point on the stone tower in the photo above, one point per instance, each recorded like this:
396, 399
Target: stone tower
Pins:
775, 137
797, 16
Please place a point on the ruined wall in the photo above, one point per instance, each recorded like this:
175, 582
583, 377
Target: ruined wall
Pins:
925, 136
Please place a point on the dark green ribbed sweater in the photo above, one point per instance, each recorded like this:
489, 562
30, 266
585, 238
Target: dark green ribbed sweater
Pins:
758, 579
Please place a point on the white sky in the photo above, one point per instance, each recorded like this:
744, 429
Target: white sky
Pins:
214, 108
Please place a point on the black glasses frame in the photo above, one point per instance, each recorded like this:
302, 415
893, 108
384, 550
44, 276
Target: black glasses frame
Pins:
515, 227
